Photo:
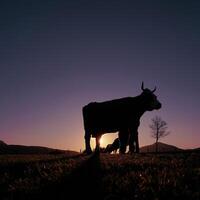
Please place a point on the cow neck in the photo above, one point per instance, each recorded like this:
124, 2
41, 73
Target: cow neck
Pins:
141, 105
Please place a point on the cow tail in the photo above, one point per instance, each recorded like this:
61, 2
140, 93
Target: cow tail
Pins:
85, 120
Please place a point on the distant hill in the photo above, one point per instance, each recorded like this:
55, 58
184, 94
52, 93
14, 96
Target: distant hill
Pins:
162, 147
193, 150
2, 144
22, 149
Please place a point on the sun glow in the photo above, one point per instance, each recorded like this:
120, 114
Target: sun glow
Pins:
101, 141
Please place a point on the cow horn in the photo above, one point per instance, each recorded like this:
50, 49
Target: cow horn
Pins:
153, 90
142, 87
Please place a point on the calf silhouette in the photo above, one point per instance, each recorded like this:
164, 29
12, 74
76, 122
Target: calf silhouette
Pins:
112, 147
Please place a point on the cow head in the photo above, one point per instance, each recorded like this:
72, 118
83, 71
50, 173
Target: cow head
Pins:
150, 99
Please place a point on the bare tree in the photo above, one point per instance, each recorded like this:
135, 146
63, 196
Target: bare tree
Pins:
158, 129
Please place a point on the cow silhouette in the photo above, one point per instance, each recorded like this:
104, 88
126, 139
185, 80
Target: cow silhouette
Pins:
118, 115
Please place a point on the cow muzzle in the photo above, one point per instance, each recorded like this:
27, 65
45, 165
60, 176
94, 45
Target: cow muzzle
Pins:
159, 105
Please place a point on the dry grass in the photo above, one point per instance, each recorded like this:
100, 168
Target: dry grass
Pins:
104, 176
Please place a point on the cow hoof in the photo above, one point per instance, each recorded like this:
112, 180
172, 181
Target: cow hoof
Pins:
131, 152
97, 150
88, 152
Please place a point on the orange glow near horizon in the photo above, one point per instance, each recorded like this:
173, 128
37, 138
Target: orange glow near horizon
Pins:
102, 142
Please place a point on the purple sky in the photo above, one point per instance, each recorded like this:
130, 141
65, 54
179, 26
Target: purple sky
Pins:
57, 56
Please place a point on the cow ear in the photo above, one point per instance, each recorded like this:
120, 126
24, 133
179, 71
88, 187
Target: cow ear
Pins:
142, 87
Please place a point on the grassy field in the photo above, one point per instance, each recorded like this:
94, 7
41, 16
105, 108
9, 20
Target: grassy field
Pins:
104, 176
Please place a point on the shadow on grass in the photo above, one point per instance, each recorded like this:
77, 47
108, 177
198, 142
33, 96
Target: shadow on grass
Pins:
82, 183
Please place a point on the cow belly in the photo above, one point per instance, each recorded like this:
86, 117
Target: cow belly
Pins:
97, 126
99, 132
103, 126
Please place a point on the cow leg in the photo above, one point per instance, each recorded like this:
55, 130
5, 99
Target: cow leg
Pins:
131, 141
137, 142
87, 143
123, 138
98, 143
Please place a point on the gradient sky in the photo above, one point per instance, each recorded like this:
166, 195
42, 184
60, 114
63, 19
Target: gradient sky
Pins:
57, 56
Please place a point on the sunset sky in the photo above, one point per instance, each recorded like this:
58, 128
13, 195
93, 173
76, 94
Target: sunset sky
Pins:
58, 55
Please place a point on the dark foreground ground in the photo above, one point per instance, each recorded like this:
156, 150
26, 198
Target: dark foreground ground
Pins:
104, 176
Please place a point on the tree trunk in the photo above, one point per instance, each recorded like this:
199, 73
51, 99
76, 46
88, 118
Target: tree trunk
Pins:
157, 142
156, 146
